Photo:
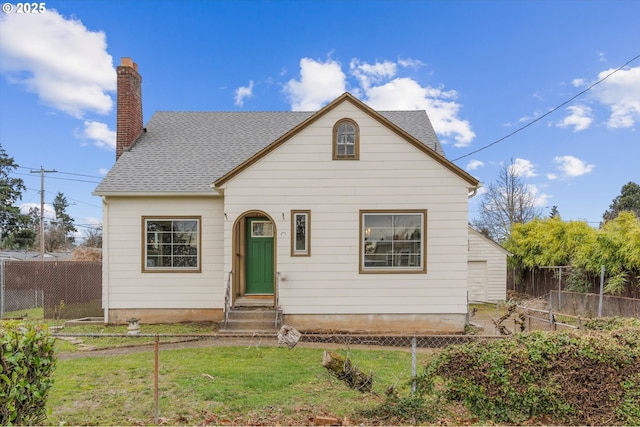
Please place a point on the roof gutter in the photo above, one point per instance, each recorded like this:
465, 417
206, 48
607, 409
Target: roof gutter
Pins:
158, 194
474, 190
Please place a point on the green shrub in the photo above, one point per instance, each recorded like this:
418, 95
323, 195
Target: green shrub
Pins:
611, 323
26, 366
405, 410
575, 378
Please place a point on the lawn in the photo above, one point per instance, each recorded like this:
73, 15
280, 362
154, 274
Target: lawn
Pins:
219, 385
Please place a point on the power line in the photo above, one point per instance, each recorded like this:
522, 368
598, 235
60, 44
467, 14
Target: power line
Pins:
63, 179
67, 173
79, 174
548, 112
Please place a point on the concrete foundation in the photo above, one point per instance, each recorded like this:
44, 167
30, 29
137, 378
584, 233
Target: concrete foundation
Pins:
165, 315
378, 323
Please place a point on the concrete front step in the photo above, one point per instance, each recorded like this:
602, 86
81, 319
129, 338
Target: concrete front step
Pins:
250, 320
255, 315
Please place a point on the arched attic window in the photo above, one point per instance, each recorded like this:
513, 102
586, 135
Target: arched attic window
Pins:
346, 140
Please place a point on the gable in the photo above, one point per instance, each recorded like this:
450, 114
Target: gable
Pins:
433, 150
475, 235
186, 152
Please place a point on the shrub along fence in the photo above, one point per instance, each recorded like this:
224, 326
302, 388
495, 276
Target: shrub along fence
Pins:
544, 381
138, 341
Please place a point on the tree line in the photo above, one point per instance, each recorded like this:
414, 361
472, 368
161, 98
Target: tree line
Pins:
20, 231
509, 215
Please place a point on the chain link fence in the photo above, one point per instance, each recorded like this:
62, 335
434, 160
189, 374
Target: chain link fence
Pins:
362, 350
553, 312
508, 317
588, 305
50, 289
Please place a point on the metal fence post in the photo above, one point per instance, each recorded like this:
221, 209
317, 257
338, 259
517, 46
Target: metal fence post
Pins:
601, 291
155, 381
2, 289
414, 350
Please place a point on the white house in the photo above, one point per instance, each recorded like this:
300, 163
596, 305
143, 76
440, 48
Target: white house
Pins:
342, 219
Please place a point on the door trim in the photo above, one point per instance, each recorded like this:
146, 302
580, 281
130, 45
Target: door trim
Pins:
238, 256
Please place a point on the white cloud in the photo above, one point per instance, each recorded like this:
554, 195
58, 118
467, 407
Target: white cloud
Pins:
103, 171
379, 87
243, 92
474, 164
320, 82
49, 212
406, 94
366, 74
621, 94
552, 176
577, 82
580, 118
523, 167
59, 59
99, 133
572, 166
93, 221
540, 199
410, 63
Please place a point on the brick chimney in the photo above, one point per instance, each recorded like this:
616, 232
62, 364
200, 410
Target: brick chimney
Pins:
129, 114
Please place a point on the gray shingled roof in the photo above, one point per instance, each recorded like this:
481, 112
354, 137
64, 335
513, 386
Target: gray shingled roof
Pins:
185, 152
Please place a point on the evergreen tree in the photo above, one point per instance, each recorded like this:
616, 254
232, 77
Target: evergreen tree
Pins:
10, 192
58, 233
628, 200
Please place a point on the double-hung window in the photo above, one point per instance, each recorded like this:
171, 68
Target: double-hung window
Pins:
393, 241
171, 244
346, 140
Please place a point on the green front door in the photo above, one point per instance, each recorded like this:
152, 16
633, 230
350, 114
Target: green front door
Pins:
259, 261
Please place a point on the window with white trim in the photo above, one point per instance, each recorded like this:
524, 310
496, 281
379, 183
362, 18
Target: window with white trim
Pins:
346, 140
300, 236
171, 244
392, 241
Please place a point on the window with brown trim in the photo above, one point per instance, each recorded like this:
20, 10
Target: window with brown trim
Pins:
393, 241
346, 140
300, 233
172, 244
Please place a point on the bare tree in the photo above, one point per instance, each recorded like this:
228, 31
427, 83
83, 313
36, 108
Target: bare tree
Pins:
507, 201
93, 237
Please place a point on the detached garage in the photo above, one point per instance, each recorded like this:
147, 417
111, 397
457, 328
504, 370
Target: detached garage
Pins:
487, 268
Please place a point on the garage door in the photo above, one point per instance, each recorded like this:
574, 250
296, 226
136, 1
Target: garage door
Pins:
477, 273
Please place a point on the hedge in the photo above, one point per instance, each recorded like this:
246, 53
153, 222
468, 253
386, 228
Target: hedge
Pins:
26, 366
577, 378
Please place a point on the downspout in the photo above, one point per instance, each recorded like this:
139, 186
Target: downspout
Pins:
474, 190
105, 258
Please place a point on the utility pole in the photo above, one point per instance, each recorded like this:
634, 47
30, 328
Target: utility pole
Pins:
42, 171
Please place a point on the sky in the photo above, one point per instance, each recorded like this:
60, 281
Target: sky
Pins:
552, 86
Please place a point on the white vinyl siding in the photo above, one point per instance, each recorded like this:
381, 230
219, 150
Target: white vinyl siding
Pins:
488, 263
124, 280
391, 175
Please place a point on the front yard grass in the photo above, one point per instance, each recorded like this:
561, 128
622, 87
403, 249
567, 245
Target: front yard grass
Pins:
106, 342
219, 385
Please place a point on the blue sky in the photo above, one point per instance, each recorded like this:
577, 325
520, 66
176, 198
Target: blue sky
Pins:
481, 70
